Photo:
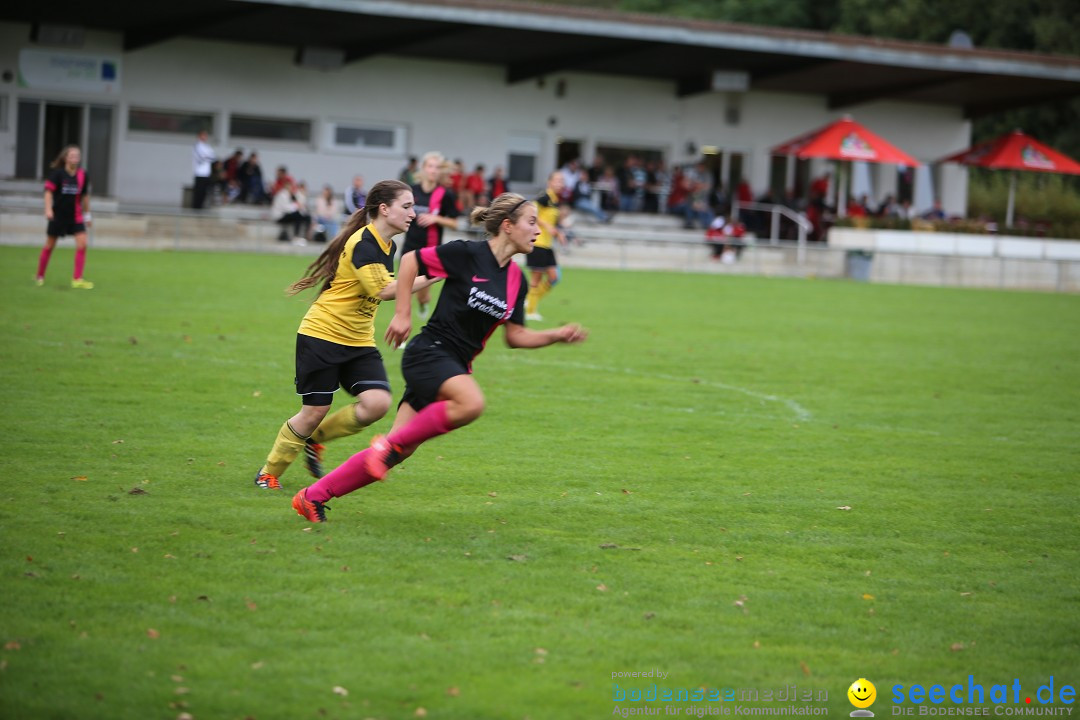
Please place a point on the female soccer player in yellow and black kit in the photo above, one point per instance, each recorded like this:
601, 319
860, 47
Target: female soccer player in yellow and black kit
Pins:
335, 344
543, 268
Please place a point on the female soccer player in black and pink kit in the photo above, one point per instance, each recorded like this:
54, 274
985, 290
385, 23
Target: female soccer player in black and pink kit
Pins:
67, 208
484, 288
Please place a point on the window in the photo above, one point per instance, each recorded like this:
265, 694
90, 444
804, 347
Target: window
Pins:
377, 138
169, 121
264, 128
523, 157
363, 137
522, 168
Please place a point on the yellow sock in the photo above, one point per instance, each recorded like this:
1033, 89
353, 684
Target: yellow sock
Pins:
287, 445
338, 425
532, 299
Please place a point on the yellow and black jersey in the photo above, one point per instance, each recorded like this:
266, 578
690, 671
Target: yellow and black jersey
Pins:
344, 313
547, 211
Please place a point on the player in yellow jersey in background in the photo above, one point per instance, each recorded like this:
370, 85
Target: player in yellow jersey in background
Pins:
335, 344
544, 270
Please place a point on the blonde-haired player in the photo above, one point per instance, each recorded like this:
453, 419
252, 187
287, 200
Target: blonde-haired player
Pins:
436, 210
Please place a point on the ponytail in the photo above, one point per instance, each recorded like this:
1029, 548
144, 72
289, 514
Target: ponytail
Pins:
325, 266
505, 207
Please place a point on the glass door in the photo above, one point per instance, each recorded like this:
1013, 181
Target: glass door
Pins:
63, 127
27, 140
99, 149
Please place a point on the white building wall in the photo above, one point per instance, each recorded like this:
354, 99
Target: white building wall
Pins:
465, 110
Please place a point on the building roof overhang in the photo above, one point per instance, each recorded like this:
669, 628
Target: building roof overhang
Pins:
533, 41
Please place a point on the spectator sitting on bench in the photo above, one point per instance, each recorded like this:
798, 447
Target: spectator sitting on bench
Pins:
289, 210
726, 239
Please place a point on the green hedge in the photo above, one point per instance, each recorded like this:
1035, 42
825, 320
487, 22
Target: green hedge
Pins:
1046, 206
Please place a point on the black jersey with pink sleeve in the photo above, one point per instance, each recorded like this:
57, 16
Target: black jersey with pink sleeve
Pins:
476, 298
440, 201
67, 191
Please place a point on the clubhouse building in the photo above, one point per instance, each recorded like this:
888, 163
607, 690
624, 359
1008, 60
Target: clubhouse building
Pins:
335, 88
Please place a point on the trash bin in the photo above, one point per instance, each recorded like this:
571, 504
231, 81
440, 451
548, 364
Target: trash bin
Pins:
859, 263
187, 196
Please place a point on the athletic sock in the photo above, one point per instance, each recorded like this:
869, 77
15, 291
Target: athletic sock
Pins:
287, 446
350, 475
531, 299
353, 475
80, 262
426, 424
43, 261
338, 425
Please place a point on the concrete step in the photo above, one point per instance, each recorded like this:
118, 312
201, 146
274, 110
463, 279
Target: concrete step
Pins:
148, 231
643, 220
187, 226
21, 187
229, 213
36, 201
27, 194
615, 232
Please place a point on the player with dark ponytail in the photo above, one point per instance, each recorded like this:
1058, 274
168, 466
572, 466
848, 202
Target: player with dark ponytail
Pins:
335, 344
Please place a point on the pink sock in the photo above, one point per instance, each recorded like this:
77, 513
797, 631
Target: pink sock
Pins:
43, 261
350, 475
80, 262
426, 424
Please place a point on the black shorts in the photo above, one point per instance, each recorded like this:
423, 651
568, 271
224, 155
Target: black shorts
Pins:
321, 366
425, 366
60, 228
541, 258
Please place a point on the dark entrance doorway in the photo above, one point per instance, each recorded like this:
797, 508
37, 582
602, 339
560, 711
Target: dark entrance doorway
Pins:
47, 127
63, 126
567, 150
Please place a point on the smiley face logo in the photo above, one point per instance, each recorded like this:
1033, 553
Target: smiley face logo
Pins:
862, 693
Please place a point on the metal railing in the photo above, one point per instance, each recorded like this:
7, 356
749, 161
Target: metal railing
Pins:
775, 211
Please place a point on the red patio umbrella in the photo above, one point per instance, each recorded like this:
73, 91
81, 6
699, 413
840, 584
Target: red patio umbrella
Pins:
1015, 151
845, 139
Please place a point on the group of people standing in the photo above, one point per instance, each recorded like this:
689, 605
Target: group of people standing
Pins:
336, 347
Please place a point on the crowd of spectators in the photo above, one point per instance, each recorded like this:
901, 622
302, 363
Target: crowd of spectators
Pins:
597, 191
240, 180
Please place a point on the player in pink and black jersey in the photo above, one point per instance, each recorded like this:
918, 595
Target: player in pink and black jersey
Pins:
483, 289
67, 208
436, 211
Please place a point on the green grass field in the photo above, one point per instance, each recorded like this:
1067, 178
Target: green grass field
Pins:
744, 483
